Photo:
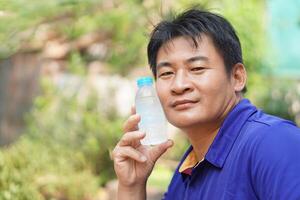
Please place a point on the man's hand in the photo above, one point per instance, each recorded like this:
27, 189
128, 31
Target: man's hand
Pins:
133, 162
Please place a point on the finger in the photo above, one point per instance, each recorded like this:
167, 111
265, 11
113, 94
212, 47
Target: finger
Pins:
160, 149
131, 124
133, 110
123, 153
131, 138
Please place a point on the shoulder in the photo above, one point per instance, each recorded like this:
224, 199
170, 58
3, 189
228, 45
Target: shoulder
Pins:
261, 125
272, 131
270, 144
270, 136
263, 134
275, 160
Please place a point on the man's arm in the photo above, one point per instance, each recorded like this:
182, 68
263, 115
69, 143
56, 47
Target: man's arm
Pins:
134, 192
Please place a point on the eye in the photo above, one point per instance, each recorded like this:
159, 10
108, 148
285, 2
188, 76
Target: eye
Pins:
165, 74
195, 69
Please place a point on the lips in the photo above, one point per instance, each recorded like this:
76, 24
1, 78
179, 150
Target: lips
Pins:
182, 104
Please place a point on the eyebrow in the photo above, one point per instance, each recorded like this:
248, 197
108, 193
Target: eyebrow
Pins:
190, 60
196, 58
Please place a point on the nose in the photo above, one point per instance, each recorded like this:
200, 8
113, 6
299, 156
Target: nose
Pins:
181, 83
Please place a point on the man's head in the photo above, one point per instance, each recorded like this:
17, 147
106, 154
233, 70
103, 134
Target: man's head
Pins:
197, 62
193, 24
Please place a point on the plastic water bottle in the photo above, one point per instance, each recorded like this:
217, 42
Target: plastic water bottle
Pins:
153, 120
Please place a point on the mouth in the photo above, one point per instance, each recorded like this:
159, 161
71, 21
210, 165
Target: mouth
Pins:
183, 104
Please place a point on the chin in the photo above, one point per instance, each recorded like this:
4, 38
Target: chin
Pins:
183, 124
189, 120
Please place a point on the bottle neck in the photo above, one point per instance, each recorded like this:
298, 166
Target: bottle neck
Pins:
145, 85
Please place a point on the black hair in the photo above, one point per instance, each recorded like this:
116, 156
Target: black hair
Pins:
194, 23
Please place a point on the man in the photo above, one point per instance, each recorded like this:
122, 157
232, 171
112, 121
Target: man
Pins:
237, 151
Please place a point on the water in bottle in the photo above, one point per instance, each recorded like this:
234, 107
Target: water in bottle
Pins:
148, 106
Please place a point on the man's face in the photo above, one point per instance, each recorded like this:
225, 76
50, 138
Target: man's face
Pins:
192, 83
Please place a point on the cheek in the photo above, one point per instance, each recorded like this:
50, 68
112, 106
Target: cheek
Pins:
215, 84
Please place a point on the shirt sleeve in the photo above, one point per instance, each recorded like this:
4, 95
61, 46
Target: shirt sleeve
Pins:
276, 163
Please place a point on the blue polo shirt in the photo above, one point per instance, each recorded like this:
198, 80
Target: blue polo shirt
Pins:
253, 156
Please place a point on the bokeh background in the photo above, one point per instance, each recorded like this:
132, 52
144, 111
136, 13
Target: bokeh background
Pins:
67, 82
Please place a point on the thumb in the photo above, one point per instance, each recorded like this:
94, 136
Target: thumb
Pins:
160, 149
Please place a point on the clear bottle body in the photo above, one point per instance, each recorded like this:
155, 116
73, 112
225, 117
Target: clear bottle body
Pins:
153, 120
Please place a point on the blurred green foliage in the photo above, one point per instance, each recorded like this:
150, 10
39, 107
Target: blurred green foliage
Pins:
20, 15
31, 170
65, 152
280, 97
126, 33
81, 125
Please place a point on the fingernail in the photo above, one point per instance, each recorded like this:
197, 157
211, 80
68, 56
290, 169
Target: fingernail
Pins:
143, 133
143, 158
136, 115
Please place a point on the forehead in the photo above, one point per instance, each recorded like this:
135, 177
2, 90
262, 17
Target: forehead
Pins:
184, 47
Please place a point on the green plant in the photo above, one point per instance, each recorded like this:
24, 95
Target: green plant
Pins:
31, 170
80, 125
64, 153
279, 97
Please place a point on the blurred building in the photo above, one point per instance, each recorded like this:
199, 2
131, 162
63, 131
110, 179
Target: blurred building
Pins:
284, 30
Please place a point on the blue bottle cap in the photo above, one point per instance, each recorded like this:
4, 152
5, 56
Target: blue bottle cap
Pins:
144, 81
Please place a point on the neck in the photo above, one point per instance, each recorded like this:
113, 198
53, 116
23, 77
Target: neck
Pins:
202, 139
202, 136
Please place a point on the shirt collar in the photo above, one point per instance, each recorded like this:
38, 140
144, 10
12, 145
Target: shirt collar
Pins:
229, 131
190, 161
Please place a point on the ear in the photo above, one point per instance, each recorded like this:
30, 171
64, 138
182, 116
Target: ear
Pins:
239, 77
